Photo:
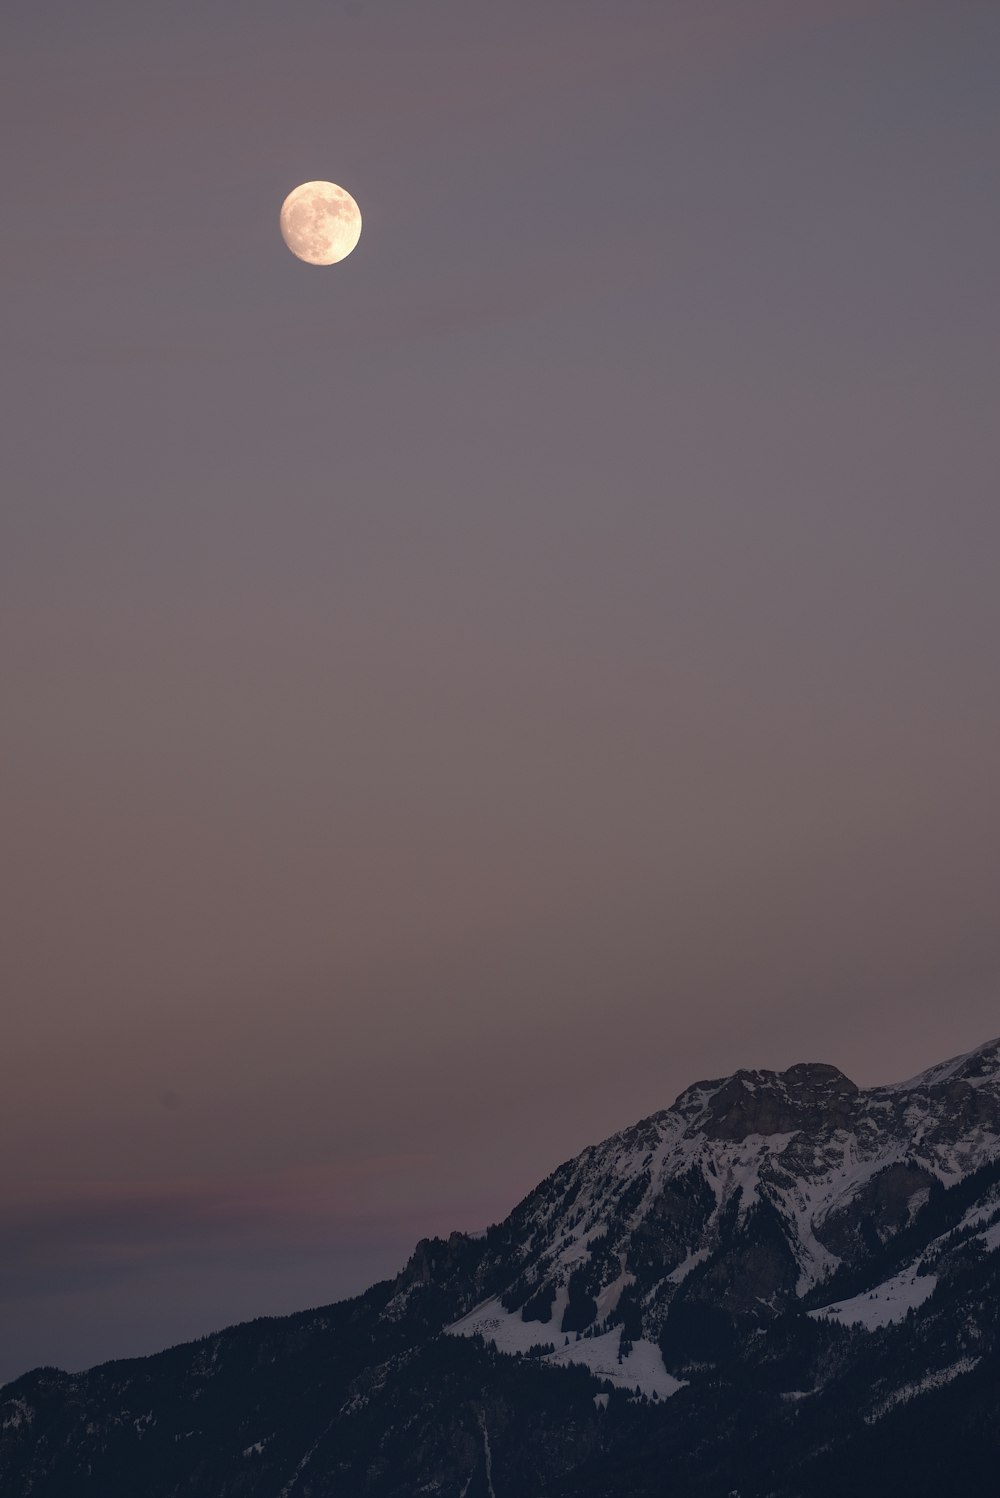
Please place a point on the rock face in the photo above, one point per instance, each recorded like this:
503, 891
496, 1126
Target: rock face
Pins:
782, 1284
807, 1096
747, 1193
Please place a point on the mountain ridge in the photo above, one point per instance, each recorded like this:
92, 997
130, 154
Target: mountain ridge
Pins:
750, 1291
813, 1154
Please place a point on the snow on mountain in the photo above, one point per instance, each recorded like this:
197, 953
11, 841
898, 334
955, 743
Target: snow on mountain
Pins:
936, 1380
745, 1196
813, 1268
641, 1367
975, 1067
890, 1301
637, 1366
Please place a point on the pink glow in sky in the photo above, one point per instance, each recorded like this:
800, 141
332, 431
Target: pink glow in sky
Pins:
453, 703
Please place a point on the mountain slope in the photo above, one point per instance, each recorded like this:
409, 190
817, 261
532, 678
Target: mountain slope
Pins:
776, 1286
738, 1202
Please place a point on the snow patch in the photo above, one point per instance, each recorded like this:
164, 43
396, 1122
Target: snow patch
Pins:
20, 1414
676, 1276
936, 1380
887, 1303
641, 1368
488, 1455
506, 1330
990, 1239
608, 1298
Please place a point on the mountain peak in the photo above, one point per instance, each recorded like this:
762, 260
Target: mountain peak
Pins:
769, 1102
977, 1066
720, 1246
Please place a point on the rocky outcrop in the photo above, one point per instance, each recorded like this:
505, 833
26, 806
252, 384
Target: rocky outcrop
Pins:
808, 1096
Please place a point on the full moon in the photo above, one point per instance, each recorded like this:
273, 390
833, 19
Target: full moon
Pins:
320, 222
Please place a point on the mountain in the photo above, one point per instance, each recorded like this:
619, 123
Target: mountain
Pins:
782, 1285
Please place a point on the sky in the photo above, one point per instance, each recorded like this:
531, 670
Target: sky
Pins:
455, 699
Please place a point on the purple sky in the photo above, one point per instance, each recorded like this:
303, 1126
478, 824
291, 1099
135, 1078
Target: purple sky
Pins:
455, 699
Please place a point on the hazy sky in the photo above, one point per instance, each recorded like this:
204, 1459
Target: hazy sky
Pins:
455, 699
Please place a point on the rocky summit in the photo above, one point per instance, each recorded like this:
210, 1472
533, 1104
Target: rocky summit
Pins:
781, 1285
